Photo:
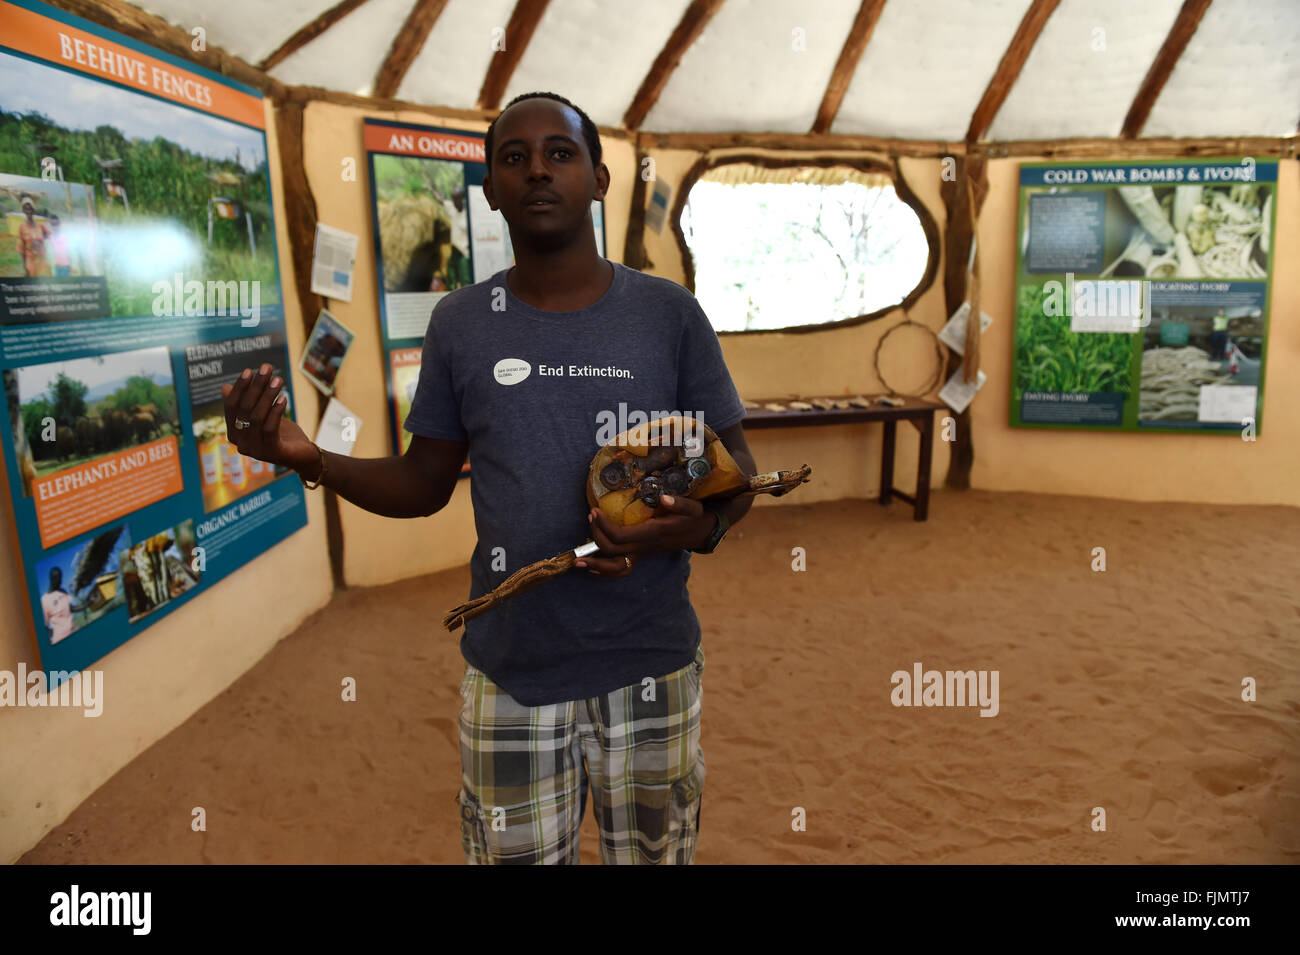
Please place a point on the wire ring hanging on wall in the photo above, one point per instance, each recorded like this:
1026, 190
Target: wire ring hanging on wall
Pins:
934, 380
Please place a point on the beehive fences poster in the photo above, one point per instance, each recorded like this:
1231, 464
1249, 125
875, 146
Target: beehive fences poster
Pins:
434, 233
1142, 295
138, 274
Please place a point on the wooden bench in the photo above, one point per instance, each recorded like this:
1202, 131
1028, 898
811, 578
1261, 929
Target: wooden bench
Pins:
919, 413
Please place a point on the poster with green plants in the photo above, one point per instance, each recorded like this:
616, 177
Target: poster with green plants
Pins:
138, 275
1142, 293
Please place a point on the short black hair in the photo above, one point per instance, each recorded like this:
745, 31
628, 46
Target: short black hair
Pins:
589, 131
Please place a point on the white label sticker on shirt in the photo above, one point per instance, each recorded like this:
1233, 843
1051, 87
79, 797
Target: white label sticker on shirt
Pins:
511, 371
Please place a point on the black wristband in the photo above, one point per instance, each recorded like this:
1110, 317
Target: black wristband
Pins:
719, 529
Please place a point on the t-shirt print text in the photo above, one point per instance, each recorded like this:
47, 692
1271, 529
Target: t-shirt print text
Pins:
511, 371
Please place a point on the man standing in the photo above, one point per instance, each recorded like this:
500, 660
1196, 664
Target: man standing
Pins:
594, 678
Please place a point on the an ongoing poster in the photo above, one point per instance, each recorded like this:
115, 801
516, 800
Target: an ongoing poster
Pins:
138, 274
1142, 293
434, 233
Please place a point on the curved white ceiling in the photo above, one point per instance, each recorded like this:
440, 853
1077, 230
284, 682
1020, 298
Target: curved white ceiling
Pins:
1082, 74
1239, 76
763, 65
926, 67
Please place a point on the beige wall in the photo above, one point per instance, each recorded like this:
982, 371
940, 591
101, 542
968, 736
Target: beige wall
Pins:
52, 759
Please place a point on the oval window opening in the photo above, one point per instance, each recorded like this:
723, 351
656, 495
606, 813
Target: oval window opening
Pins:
793, 246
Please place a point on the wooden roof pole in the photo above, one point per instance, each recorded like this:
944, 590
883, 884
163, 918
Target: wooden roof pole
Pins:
962, 200
970, 361
695, 18
406, 45
519, 32
1185, 24
309, 32
854, 44
1004, 77
687, 31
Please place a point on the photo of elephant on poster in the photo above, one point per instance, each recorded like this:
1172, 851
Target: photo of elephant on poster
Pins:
69, 412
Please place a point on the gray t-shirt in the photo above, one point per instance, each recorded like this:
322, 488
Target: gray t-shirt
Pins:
536, 394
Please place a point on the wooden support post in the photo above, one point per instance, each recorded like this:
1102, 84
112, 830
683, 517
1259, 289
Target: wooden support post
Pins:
634, 245
972, 173
300, 220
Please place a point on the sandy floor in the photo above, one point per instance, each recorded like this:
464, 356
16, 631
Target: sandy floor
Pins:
1119, 689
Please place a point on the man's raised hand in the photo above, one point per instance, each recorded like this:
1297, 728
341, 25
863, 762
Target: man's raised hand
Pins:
269, 436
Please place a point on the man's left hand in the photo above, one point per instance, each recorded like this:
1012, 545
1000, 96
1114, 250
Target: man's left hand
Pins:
679, 523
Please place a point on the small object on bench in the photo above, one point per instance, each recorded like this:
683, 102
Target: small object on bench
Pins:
750, 405
918, 412
801, 406
825, 404
892, 402
842, 403
774, 407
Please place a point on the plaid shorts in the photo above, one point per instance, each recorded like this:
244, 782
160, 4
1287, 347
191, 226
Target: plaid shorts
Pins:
525, 770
